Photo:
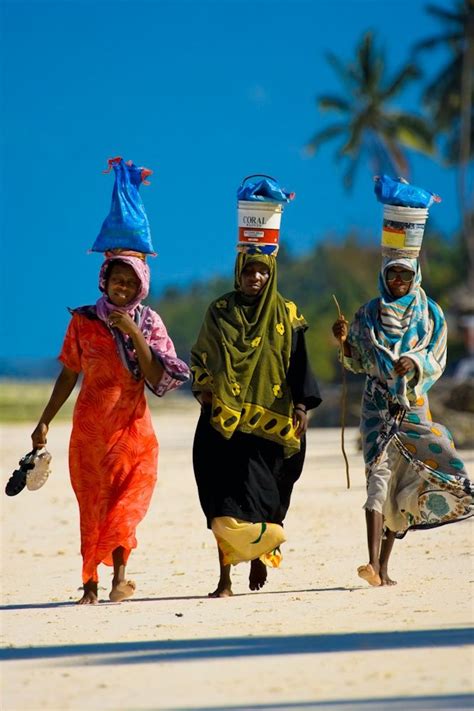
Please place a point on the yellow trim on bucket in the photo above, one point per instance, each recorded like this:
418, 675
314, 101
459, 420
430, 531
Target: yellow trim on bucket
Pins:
390, 238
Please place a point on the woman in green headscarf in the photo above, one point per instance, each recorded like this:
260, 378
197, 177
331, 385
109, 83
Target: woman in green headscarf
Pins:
255, 385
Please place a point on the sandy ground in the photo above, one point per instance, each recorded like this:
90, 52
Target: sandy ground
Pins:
314, 637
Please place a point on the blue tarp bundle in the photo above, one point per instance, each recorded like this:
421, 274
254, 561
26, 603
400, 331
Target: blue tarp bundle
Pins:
126, 226
399, 192
265, 189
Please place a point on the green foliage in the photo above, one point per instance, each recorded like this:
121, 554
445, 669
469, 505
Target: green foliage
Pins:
444, 265
347, 268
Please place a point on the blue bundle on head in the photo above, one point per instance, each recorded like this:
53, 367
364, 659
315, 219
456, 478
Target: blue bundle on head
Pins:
126, 226
260, 206
400, 192
405, 214
264, 190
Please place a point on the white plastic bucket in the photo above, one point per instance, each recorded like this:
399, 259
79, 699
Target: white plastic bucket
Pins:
403, 229
259, 223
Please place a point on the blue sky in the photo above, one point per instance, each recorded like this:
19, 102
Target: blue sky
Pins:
203, 93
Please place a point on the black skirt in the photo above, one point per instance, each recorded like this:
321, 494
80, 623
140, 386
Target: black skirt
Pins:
245, 477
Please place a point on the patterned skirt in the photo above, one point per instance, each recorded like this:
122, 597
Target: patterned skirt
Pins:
427, 484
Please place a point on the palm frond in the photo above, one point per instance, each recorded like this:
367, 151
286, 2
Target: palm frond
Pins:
356, 136
370, 63
447, 15
385, 156
413, 132
332, 103
404, 76
452, 39
399, 158
442, 96
447, 80
451, 148
326, 134
372, 131
345, 73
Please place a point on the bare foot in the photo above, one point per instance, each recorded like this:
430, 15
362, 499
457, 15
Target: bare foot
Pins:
258, 574
222, 590
90, 596
122, 590
368, 573
385, 579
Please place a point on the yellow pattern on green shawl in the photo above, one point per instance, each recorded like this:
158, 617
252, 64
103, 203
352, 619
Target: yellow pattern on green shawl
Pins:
242, 356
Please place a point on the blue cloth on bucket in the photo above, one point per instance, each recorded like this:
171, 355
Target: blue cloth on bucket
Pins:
266, 189
249, 248
399, 192
126, 226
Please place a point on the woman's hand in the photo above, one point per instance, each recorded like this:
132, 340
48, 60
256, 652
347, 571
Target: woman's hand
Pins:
63, 387
300, 420
404, 365
38, 437
340, 329
123, 321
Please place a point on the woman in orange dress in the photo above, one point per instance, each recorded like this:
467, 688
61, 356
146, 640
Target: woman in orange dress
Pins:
119, 346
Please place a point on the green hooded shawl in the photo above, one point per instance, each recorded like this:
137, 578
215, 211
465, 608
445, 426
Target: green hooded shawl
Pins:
242, 356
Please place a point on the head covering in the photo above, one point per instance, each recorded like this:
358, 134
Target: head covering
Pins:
231, 359
409, 263
103, 306
406, 326
126, 226
148, 322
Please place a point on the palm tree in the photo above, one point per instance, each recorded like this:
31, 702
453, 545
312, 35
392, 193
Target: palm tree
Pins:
369, 124
449, 97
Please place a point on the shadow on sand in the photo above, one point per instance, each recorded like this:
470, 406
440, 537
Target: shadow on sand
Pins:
231, 647
52, 605
398, 703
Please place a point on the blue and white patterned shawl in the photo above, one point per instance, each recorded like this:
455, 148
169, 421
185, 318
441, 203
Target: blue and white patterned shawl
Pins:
412, 325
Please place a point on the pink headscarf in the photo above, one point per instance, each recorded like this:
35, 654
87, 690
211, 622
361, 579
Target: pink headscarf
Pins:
142, 271
175, 371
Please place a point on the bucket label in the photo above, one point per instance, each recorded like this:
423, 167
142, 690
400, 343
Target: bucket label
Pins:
259, 236
262, 220
402, 235
254, 234
414, 236
393, 238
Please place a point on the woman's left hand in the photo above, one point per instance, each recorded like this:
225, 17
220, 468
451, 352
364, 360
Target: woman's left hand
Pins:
300, 421
123, 322
404, 365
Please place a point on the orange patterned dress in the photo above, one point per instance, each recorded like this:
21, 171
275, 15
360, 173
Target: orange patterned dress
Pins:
113, 453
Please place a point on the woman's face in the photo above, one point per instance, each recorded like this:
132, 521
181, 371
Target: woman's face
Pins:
122, 285
399, 280
253, 278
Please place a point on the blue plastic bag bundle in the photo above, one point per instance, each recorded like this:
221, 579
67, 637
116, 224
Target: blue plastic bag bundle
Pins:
400, 192
126, 226
266, 189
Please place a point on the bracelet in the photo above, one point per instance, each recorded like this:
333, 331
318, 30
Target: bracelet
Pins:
302, 409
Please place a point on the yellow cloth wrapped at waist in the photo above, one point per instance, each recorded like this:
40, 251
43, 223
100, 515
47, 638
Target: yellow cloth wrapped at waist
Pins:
241, 541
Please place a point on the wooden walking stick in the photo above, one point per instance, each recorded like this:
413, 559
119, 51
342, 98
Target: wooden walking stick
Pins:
343, 402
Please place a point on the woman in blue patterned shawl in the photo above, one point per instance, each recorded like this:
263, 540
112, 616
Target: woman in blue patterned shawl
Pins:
415, 479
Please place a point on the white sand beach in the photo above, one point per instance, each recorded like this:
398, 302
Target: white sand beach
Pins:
316, 636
